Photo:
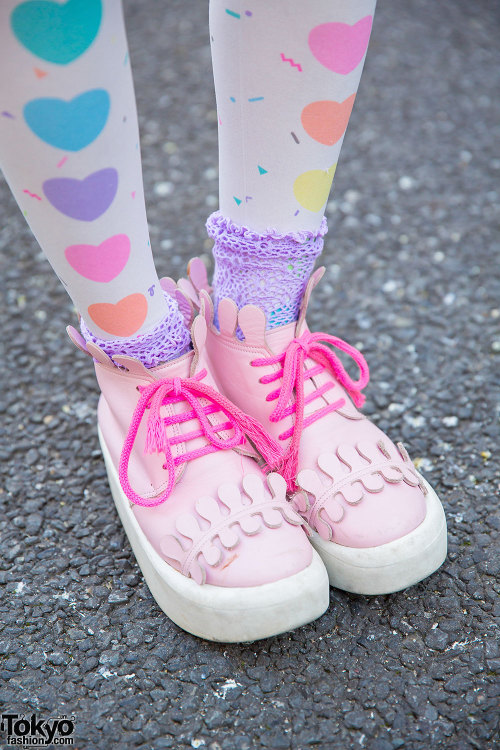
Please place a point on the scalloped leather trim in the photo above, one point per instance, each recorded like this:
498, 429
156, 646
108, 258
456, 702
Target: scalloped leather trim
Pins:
229, 517
370, 467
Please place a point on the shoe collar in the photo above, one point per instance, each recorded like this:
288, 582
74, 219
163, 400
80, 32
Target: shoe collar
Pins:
184, 366
251, 319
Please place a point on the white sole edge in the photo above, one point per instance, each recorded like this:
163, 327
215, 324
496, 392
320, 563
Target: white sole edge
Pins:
393, 566
227, 615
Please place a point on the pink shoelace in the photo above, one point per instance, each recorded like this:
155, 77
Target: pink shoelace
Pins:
173, 391
293, 376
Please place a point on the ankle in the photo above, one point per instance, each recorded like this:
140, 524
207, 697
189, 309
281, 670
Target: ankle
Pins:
168, 340
269, 270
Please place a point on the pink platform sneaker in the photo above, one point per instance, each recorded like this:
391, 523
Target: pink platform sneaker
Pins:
223, 552
377, 524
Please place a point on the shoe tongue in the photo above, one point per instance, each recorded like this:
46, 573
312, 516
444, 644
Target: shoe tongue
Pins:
182, 368
176, 368
278, 338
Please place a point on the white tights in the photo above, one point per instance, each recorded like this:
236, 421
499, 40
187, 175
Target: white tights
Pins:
286, 74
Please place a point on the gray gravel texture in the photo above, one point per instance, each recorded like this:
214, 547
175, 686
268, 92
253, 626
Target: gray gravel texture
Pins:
413, 277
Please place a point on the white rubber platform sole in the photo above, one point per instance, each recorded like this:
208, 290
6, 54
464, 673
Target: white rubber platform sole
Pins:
229, 615
393, 566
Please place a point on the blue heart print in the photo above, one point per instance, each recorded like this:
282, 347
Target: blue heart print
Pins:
58, 33
69, 125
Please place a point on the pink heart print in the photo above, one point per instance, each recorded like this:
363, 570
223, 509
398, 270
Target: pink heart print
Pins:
340, 47
100, 262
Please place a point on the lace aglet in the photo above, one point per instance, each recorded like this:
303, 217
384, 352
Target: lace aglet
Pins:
156, 437
358, 398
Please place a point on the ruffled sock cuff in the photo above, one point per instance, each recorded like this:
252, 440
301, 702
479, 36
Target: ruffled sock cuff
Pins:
268, 270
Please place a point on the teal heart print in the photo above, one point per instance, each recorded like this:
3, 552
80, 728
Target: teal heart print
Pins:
71, 125
58, 33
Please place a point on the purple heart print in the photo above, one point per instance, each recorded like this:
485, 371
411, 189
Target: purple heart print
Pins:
85, 199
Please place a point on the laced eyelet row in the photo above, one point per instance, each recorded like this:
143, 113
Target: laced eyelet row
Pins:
170, 391
292, 376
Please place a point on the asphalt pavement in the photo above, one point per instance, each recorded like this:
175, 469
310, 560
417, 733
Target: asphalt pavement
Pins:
413, 278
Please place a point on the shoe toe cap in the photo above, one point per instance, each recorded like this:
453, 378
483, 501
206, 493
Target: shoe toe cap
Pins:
266, 557
382, 517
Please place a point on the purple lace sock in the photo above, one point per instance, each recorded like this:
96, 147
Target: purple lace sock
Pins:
168, 340
269, 270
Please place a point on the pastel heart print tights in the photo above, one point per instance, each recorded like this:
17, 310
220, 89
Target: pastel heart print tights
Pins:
286, 75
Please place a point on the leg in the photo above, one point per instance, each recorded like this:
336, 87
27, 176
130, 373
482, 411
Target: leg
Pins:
286, 75
69, 149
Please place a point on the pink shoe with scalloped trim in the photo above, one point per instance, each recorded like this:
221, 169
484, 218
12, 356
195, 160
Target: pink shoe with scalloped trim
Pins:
223, 552
378, 526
